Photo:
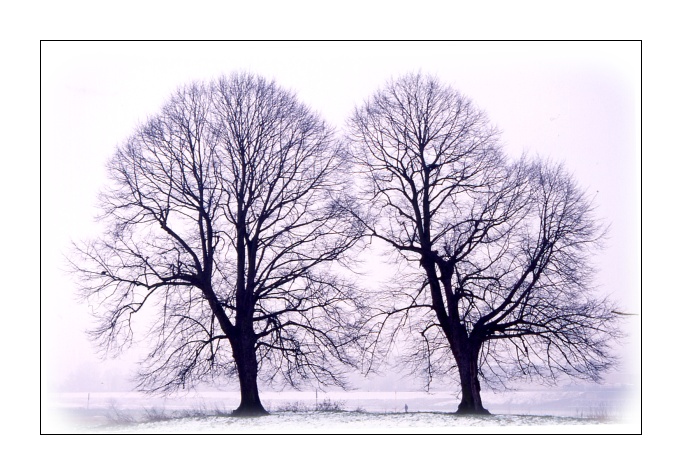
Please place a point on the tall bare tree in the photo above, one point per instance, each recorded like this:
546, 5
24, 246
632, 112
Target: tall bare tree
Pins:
498, 278
223, 223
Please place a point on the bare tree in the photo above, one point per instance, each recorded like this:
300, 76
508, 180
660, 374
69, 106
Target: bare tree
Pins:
497, 279
223, 223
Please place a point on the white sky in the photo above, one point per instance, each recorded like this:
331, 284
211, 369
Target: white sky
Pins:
574, 102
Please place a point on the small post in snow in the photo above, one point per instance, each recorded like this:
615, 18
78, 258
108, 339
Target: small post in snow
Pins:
405, 408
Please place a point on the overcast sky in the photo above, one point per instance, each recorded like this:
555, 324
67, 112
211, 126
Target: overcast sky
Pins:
578, 103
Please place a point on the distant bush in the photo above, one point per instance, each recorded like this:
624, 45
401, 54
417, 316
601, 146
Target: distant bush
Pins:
203, 411
116, 415
328, 405
297, 406
154, 414
600, 412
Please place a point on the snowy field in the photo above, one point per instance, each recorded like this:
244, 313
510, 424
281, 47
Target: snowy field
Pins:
573, 410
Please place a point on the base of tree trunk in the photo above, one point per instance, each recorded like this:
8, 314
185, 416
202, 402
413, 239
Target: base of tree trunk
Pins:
250, 411
472, 411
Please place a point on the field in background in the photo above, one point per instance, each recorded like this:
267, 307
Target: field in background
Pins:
335, 411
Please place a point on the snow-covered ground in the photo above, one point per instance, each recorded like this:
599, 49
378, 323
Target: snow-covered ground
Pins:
566, 410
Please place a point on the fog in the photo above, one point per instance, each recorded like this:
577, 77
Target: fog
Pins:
578, 103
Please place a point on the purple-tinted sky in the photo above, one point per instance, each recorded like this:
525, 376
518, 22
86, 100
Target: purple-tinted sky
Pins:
574, 102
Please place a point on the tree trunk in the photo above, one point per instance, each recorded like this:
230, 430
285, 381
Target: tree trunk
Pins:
467, 363
244, 353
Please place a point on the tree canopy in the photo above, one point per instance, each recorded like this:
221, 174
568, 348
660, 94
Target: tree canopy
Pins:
223, 214
498, 282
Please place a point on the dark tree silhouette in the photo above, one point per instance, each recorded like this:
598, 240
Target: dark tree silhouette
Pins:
497, 279
223, 226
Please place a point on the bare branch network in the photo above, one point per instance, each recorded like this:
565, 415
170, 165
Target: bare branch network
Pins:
502, 248
233, 212
223, 211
